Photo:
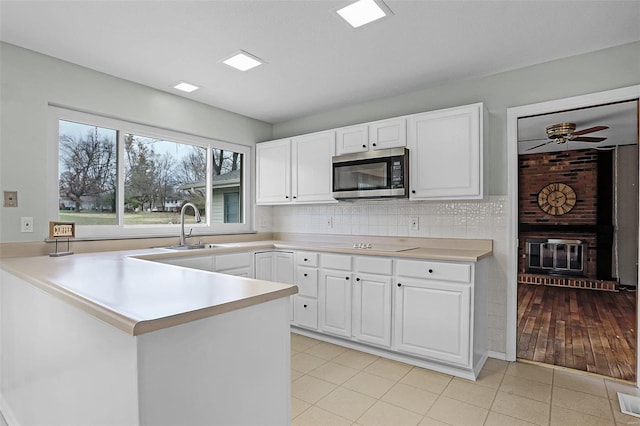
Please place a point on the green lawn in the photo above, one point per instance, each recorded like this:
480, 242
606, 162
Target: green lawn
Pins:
142, 218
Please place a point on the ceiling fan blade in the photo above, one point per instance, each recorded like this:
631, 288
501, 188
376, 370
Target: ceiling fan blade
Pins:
589, 130
535, 139
587, 139
538, 146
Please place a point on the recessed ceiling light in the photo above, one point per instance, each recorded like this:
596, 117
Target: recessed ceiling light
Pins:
363, 12
243, 61
185, 87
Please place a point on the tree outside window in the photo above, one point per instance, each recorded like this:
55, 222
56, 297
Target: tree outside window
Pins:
139, 177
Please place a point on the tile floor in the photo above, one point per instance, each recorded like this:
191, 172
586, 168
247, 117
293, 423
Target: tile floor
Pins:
332, 385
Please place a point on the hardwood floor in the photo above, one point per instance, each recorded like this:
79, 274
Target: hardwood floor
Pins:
586, 330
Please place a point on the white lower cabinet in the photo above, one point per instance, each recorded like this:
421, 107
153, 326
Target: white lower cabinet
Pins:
204, 263
372, 300
428, 313
275, 266
305, 311
335, 297
305, 303
238, 264
355, 298
372, 309
335, 294
432, 319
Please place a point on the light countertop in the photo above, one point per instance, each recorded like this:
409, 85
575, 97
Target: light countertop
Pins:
136, 295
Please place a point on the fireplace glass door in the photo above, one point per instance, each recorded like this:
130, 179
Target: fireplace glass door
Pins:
554, 256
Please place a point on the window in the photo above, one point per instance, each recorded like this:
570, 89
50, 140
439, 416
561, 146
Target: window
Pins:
116, 178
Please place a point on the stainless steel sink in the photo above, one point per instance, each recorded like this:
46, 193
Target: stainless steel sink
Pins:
188, 247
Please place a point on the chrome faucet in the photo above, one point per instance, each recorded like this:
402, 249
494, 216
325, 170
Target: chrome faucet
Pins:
183, 238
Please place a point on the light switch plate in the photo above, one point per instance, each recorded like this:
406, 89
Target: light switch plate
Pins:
10, 199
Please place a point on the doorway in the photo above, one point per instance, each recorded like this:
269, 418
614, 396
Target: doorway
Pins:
559, 250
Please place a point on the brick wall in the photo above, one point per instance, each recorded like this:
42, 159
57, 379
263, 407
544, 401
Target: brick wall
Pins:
578, 169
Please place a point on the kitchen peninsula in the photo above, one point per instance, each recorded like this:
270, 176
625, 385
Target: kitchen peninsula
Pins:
108, 339
156, 336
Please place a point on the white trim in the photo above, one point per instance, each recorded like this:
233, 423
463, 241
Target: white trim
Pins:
497, 355
120, 229
615, 95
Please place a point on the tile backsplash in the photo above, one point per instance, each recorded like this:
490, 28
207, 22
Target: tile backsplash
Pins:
451, 219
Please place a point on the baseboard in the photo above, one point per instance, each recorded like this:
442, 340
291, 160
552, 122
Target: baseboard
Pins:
497, 355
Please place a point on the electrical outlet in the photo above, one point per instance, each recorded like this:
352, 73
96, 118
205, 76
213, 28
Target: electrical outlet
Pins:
414, 223
330, 222
26, 224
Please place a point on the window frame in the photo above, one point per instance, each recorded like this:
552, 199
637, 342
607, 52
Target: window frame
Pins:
123, 127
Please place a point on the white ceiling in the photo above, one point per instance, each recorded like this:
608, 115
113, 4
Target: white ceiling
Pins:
621, 118
315, 62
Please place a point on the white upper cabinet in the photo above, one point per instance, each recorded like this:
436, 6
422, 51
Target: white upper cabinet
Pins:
296, 170
273, 172
352, 139
311, 167
387, 134
446, 154
384, 134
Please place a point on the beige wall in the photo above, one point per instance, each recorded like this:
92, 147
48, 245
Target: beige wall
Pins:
592, 72
31, 81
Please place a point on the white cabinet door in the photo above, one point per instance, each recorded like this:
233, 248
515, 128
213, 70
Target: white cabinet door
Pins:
283, 267
432, 319
446, 154
383, 134
275, 266
312, 168
204, 263
372, 309
352, 139
273, 172
307, 281
305, 311
387, 134
335, 302
263, 265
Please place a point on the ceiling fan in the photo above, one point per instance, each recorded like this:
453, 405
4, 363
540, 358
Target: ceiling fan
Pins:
564, 132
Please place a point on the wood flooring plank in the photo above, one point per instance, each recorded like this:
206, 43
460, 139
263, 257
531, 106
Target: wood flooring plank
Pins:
588, 330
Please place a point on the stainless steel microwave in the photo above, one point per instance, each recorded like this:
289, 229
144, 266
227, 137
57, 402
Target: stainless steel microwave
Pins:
372, 174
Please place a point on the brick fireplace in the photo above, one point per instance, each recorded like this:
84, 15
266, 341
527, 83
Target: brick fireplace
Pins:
550, 242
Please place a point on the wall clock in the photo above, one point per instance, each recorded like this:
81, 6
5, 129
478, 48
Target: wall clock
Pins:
556, 199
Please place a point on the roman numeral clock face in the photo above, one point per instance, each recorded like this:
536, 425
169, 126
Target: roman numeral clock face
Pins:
556, 199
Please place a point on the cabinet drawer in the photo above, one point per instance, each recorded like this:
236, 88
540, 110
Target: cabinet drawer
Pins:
232, 261
307, 281
305, 312
336, 261
374, 265
306, 258
434, 270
